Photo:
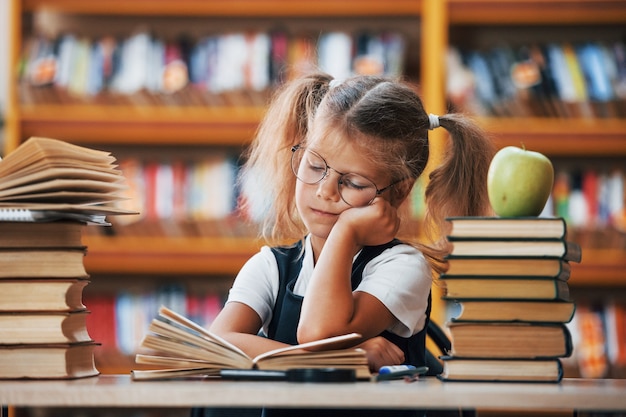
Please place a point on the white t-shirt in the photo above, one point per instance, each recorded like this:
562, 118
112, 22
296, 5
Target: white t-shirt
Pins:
400, 278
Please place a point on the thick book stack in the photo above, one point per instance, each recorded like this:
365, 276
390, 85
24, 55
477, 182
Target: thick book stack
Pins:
43, 332
508, 276
49, 191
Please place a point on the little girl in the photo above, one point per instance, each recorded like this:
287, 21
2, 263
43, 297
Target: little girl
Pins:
330, 167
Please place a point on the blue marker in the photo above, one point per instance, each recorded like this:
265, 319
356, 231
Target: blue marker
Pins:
399, 372
395, 368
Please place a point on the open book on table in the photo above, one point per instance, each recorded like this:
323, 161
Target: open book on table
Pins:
181, 347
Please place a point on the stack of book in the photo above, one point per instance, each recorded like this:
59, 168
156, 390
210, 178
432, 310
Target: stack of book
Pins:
509, 280
49, 191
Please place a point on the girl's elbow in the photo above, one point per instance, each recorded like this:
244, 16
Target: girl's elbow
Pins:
307, 334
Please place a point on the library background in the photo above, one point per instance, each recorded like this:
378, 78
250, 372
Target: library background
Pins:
175, 89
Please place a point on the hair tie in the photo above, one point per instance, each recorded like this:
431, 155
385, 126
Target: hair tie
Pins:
433, 121
334, 83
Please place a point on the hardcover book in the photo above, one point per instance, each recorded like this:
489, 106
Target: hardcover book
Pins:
507, 267
490, 248
43, 263
509, 340
501, 370
43, 328
53, 234
49, 361
507, 227
19, 295
514, 288
505, 310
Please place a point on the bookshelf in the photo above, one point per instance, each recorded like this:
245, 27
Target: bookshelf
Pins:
428, 25
142, 127
145, 261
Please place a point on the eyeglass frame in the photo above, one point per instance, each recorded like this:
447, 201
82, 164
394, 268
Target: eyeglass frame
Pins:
341, 175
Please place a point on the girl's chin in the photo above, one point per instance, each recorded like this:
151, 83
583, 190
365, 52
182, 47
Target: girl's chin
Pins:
319, 231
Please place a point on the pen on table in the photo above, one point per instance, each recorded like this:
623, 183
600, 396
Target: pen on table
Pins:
387, 373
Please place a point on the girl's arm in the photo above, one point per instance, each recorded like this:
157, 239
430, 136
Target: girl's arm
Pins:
239, 324
330, 306
235, 324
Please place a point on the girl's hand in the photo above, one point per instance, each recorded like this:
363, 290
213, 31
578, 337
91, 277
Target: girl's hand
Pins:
381, 352
372, 225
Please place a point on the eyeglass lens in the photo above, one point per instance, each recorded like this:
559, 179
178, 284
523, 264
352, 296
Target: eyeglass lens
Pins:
311, 168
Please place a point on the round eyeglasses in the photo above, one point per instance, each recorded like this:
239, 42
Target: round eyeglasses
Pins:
354, 189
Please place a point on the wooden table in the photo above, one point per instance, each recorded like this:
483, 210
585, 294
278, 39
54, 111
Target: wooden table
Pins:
121, 391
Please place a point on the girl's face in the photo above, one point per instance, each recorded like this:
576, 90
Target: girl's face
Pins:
320, 204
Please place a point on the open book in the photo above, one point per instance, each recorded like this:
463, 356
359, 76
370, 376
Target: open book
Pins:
182, 348
48, 177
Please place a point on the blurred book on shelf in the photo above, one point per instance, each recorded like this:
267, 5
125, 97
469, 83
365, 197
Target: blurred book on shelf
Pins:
234, 68
599, 338
591, 200
551, 79
182, 196
120, 337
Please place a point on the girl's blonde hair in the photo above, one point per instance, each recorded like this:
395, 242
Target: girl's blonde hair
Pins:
383, 117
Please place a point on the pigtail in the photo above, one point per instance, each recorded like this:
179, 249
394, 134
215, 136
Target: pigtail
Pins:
458, 187
266, 181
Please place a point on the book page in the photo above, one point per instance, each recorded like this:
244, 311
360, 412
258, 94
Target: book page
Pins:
64, 185
49, 211
35, 149
23, 177
316, 343
217, 352
149, 374
177, 318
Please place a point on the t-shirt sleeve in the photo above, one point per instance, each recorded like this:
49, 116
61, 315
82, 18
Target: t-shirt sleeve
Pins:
401, 279
256, 284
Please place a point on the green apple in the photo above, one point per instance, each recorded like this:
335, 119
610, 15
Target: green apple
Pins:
519, 182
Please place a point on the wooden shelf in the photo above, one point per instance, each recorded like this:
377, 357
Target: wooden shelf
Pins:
138, 125
560, 137
237, 8
226, 255
536, 12
160, 255
235, 126
600, 268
